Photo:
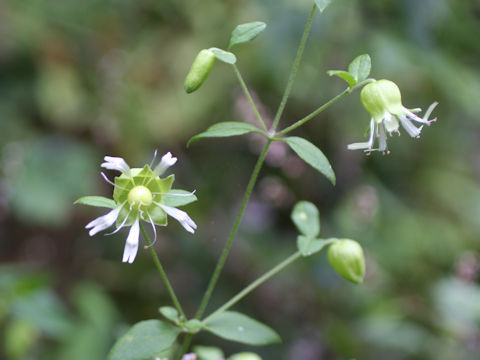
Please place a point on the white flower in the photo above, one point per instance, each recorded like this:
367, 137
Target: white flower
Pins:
131, 245
181, 216
167, 161
382, 99
103, 222
116, 163
140, 194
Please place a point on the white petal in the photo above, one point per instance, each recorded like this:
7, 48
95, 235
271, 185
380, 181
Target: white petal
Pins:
382, 139
391, 122
131, 245
358, 146
103, 222
116, 163
167, 161
181, 216
365, 145
412, 130
425, 119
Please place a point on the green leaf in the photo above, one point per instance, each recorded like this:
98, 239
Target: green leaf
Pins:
225, 56
306, 218
360, 67
225, 129
144, 341
234, 326
98, 201
309, 245
322, 4
170, 313
246, 32
349, 78
176, 198
312, 156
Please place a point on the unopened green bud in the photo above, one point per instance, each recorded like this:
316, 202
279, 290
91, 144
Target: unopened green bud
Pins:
245, 356
380, 97
201, 67
346, 257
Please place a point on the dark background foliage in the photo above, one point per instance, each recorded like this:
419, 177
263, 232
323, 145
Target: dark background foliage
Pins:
82, 79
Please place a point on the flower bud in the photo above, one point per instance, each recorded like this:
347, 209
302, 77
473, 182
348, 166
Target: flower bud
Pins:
201, 67
346, 257
245, 356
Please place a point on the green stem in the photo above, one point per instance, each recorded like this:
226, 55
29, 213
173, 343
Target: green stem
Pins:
162, 272
249, 97
254, 285
293, 72
228, 244
313, 114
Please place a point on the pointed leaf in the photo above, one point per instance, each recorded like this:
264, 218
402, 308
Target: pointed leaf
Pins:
306, 218
312, 156
144, 341
98, 201
246, 32
225, 56
322, 4
360, 67
309, 245
176, 198
169, 313
235, 326
225, 129
344, 75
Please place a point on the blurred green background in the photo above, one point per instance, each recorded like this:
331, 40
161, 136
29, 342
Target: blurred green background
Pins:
84, 79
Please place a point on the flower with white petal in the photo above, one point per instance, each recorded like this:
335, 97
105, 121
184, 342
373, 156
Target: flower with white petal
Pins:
140, 194
382, 99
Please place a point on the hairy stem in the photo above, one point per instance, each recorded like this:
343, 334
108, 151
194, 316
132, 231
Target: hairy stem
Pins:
159, 266
293, 72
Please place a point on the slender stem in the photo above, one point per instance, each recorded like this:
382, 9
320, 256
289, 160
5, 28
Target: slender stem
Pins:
294, 70
249, 97
254, 285
228, 244
313, 114
162, 272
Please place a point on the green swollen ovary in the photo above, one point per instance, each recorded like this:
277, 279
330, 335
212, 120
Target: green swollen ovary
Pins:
140, 197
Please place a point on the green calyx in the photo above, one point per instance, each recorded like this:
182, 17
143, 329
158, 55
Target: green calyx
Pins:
346, 257
140, 193
380, 97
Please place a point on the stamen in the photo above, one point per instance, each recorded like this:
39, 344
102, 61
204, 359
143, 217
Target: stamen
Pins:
154, 157
111, 182
154, 231
122, 224
173, 194
429, 112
